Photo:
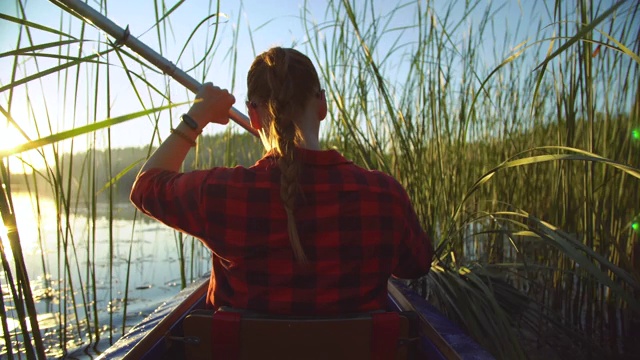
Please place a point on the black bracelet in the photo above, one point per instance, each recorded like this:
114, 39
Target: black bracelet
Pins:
189, 121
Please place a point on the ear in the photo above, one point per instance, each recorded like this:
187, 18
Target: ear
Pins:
254, 117
322, 107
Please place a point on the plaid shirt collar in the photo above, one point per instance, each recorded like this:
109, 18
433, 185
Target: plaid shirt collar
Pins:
310, 157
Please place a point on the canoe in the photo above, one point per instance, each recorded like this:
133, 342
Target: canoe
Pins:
439, 338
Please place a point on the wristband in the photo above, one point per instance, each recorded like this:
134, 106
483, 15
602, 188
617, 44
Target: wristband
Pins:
189, 121
184, 137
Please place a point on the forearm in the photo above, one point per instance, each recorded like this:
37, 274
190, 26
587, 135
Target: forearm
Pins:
212, 105
172, 151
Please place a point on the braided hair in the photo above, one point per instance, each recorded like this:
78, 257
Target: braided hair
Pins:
284, 80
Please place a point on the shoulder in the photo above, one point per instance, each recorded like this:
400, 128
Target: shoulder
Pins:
377, 181
213, 175
257, 176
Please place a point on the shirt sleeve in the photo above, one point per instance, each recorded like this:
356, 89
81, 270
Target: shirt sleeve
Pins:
415, 250
175, 199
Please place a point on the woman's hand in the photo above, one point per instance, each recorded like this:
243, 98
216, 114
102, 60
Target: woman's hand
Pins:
212, 105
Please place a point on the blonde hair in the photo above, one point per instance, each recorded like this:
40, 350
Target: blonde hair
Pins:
284, 80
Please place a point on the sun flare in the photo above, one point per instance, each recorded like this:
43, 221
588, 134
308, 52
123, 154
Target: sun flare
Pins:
9, 137
4, 232
21, 162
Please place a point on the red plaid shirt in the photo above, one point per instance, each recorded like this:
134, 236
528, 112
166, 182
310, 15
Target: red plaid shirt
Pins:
357, 228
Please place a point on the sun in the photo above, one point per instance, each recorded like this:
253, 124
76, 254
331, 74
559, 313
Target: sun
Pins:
9, 137
23, 161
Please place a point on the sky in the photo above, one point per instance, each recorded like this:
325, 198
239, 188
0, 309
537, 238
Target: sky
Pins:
282, 28
258, 25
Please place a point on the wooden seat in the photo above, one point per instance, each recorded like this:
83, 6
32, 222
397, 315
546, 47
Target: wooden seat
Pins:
250, 336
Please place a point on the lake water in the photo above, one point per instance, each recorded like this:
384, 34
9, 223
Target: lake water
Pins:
63, 259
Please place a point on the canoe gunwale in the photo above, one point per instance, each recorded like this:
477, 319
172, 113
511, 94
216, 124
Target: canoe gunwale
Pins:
152, 338
443, 336
151, 333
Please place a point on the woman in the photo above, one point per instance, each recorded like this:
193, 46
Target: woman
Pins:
303, 231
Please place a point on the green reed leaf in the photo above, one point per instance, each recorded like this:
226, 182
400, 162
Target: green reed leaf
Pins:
580, 155
30, 49
53, 70
621, 47
569, 249
165, 16
581, 34
34, 25
82, 130
119, 175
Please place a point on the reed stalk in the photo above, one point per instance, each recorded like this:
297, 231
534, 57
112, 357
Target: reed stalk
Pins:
447, 130
21, 291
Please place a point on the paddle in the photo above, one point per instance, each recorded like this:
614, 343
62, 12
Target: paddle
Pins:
123, 37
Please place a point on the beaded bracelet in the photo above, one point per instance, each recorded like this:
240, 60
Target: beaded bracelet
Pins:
184, 136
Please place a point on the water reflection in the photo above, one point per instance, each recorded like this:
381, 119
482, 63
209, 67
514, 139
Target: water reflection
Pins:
80, 270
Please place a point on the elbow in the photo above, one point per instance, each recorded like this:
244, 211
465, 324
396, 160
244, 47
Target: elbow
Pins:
135, 196
414, 267
410, 274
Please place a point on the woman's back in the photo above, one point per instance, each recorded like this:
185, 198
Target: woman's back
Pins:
304, 231
356, 228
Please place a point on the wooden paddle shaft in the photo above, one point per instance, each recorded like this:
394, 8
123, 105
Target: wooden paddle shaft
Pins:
123, 37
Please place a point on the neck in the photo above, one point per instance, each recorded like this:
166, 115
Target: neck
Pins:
309, 126
310, 144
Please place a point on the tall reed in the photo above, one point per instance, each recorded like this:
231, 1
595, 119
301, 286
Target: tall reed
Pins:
493, 155
79, 180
